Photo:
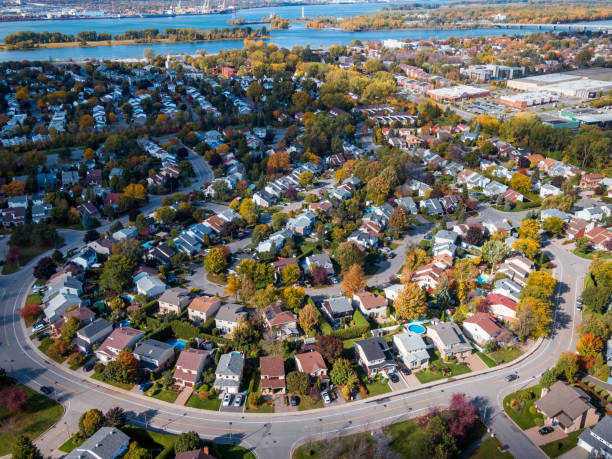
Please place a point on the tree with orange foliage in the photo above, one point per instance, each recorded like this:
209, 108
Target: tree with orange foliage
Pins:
590, 345
14, 188
279, 161
354, 281
89, 154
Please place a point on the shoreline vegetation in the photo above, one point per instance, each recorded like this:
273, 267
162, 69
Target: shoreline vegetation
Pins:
24, 40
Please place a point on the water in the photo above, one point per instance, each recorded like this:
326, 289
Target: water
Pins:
296, 35
177, 343
416, 328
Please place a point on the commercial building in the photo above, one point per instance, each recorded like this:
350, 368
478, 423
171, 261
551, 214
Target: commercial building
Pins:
490, 72
529, 99
457, 93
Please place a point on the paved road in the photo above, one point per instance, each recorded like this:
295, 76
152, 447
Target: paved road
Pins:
274, 435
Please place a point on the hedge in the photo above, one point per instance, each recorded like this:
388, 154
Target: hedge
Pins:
162, 334
351, 333
151, 307
184, 330
326, 328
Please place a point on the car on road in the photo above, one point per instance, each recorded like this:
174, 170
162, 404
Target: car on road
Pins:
391, 255
393, 377
326, 398
227, 399
42, 336
293, 400
46, 389
545, 430
511, 377
145, 386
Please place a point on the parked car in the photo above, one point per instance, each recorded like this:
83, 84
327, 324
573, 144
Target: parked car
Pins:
326, 397
393, 377
511, 377
89, 364
145, 386
38, 326
238, 400
46, 389
545, 430
293, 400
42, 336
579, 306
227, 399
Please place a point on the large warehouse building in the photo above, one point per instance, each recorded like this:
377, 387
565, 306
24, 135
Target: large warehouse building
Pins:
584, 84
456, 93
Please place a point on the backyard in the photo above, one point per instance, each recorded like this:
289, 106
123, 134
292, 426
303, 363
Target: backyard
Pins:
40, 413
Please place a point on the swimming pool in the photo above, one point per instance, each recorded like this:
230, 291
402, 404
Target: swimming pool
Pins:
177, 343
482, 278
416, 328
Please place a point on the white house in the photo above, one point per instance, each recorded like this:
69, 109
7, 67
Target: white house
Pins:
411, 349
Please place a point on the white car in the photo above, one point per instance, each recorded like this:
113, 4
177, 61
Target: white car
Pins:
326, 397
238, 400
227, 399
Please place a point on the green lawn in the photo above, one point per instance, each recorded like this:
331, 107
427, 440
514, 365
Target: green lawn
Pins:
40, 414
489, 449
437, 368
266, 407
306, 403
557, 448
98, 377
377, 388
520, 414
207, 404
590, 255
45, 348
71, 443
350, 446
404, 437
27, 254
506, 354
164, 395
486, 359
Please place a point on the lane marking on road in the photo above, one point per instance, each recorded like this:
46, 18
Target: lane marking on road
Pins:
197, 426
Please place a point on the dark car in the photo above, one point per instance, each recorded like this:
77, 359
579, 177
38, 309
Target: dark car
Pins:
394, 378
511, 377
545, 430
293, 400
89, 365
46, 389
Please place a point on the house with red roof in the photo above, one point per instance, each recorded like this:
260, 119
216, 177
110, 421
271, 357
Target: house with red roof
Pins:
482, 328
502, 307
189, 366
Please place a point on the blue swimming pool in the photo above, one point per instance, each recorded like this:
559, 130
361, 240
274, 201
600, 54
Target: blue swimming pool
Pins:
482, 278
177, 343
416, 328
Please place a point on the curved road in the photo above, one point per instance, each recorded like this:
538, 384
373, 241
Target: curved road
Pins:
275, 435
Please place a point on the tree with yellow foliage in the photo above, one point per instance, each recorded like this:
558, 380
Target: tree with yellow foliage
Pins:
410, 302
233, 286
135, 191
521, 183
14, 188
530, 228
527, 247
89, 154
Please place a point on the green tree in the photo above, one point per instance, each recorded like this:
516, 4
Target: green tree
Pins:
23, 448
215, 261
117, 273
342, 373
298, 382
348, 254
186, 441
567, 365
90, 422
70, 328
494, 252
290, 274
164, 214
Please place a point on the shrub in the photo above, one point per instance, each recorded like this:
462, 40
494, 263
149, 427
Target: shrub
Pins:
532, 410
351, 333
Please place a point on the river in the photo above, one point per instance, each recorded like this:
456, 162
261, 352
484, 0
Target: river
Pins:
296, 35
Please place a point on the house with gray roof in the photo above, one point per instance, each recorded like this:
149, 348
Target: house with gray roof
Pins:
547, 213
509, 288
187, 242
597, 440
449, 340
338, 307
408, 203
566, 406
93, 333
154, 356
320, 260
106, 443
228, 374
228, 315
432, 206
411, 349
374, 356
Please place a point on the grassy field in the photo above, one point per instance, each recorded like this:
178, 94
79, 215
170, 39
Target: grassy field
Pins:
557, 448
506, 354
489, 449
164, 395
306, 403
27, 254
351, 446
592, 254
40, 414
487, 360
266, 407
207, 404
98, 377
523, 418
404, 437
71, 443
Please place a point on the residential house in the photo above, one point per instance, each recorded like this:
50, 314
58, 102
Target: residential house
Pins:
161, 253
200, 453
125, 233
228, 374
89, 209
336, 308
40, 212
187, 242
174, 300
449, 340
101, 246
567, 406
592, 214
599, 237
508, 288
154, 356
374, 355
302, 224
371, 305
411, 349
548, 213
548, 189
482, 328
106, 443
275, 242
92, 333
392, 292
203, 308
408, 203
322, 206
597, 440
282, 321
364, 238
320, 260
428, 276
494, 188
432, 207
263, 199
502, 307
517, 268
227, 317
591, 180
272, 371
576, 228
59, 304
13, 216
189, 366
311, 363
280, 264
148, 285
120, 338
84, 315
86, 258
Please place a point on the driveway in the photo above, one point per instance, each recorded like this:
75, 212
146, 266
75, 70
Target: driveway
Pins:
475, 363
401, 384
232, 408
412, 380
540, 440
280, 407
